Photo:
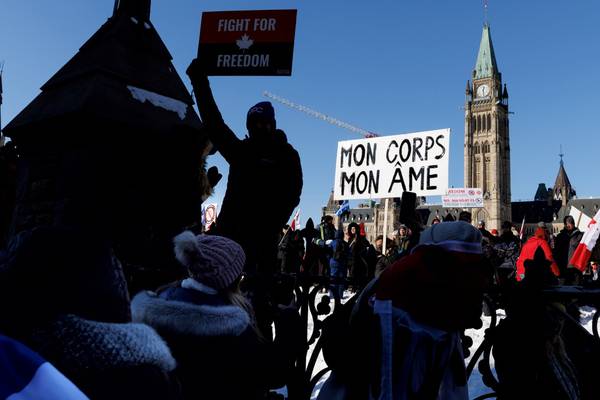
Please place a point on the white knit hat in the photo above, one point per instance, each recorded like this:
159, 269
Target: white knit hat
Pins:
213, 260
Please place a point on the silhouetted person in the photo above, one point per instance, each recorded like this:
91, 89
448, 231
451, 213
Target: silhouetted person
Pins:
564, 247
262, 167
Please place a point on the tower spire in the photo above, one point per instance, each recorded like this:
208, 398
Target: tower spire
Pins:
561, 155
485, 12
486, 66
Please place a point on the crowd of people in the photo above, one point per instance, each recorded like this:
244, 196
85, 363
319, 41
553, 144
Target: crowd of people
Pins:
229, 328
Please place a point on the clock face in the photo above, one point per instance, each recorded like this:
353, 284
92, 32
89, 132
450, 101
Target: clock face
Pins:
483, 91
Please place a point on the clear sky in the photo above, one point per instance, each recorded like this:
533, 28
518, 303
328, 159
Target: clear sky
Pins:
387, 66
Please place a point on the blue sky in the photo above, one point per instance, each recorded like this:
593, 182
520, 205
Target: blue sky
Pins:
387, 66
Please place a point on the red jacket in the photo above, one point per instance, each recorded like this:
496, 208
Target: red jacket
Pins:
528, 251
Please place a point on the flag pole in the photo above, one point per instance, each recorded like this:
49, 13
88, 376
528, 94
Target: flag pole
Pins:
385, 225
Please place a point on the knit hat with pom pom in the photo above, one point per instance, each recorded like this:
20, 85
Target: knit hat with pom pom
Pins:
213, 260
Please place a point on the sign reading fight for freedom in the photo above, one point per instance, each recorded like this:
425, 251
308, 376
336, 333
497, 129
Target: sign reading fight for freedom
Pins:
387, 166
247, 42
463, 198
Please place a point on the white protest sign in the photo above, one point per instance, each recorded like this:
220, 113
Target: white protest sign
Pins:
387, 166
463, 198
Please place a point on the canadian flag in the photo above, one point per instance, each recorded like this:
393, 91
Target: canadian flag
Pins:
295, 221
522, 229
588, 241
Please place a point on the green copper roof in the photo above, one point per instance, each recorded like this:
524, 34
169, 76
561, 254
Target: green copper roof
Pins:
486, 59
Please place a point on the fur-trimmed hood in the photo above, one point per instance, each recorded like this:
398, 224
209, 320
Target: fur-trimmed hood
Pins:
184, 318
78, 343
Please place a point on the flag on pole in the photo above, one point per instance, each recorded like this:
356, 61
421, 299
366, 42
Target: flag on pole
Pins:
522, 229
343, 208
584, 250
295, 224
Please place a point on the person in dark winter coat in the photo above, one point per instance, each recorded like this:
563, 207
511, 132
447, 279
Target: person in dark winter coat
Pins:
357, 263
63, 294
506, 253
410, 320
310, 261
210, 326
564, 247
385, 260
338, 263
529, 346
326, 231
261, 166
291, 251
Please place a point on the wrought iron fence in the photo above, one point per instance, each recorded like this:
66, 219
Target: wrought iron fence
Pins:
307, 289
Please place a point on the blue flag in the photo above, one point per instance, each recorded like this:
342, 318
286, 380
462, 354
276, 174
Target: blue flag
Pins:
343, 208
25, 375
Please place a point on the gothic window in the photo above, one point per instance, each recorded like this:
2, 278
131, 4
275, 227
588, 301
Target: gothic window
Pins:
486, 177
477, 173
478, 123
483, 125
489, 122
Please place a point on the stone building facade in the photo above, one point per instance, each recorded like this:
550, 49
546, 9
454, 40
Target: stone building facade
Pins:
487, 146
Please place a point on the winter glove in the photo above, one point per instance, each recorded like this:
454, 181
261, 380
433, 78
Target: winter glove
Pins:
196, 72
213, 176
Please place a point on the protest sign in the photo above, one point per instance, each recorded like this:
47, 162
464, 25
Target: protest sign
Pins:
387, 166
247, 42
463, 198
209, 215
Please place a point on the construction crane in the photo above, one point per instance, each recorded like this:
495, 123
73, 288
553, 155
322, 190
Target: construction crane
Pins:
316, 114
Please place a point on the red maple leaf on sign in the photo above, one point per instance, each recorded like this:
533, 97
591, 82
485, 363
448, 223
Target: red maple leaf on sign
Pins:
244, 42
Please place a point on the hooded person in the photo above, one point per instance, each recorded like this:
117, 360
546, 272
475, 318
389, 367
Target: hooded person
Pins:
534, 345
357, 262
313, 253
528, 251
210, 326
63, 294
410, 320
428, 298
263, 163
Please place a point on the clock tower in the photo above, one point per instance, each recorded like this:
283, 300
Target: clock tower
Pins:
487, 146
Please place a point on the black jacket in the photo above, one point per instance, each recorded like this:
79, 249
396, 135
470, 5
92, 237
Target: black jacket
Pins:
564, 247
263, 175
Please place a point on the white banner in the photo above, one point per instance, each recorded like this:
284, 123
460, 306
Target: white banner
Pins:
463, 198
387, 166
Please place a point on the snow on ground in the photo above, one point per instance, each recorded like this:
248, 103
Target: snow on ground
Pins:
476, 386
587, 316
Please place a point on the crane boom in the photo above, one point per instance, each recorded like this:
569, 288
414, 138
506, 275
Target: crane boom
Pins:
320, 115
